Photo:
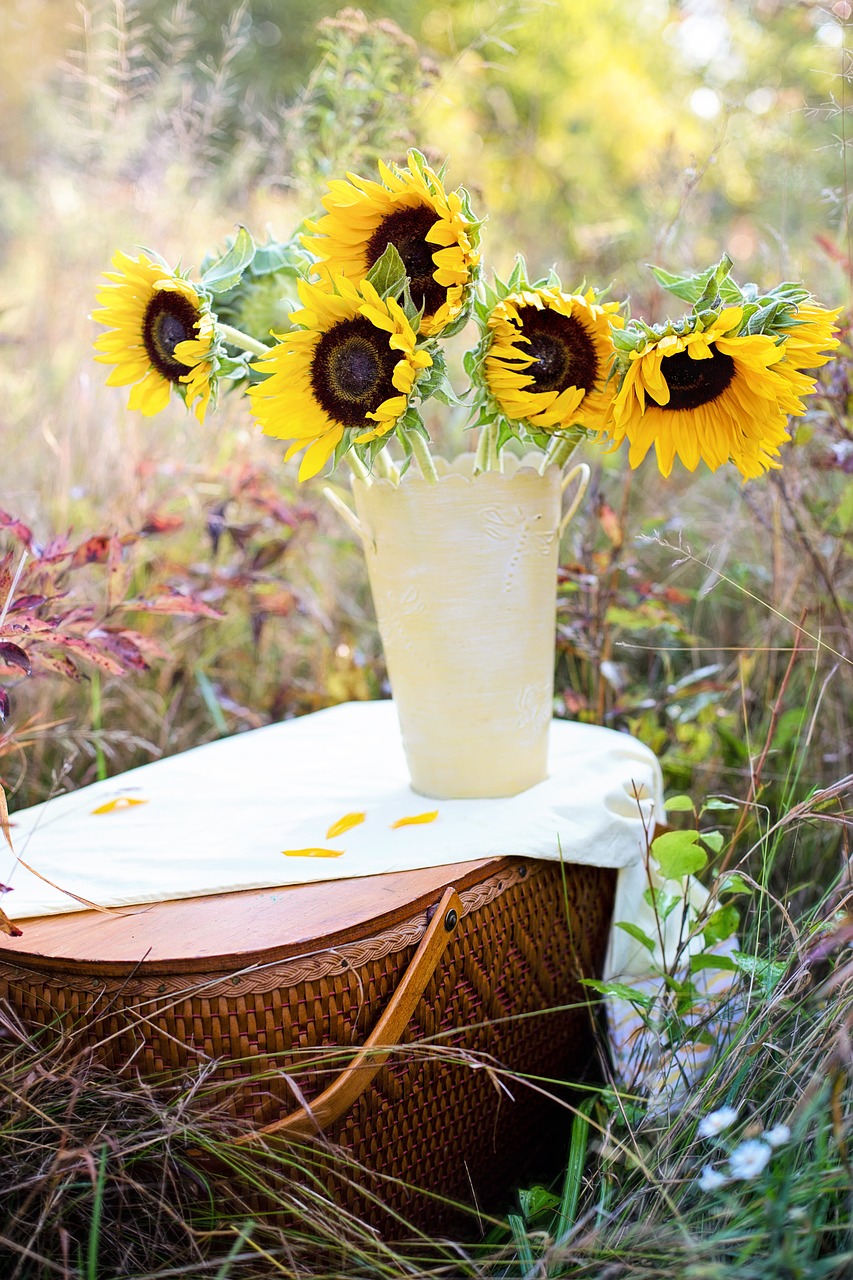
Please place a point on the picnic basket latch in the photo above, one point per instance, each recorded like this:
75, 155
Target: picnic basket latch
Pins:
344, 1092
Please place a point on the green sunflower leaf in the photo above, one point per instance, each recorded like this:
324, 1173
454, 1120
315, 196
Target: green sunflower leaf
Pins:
470, 362
688, 288
518, 275
225, 272
457, 325
388, 274
411, 420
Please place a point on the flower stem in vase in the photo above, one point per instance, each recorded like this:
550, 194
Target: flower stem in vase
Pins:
420, 450
558, 452
385, 467
357, 467
488, 458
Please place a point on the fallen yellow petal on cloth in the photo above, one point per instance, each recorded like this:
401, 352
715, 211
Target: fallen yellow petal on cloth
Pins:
416, 819
312, 853
346, 823
121, 802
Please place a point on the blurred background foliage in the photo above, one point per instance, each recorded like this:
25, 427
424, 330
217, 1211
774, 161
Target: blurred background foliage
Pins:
597, 136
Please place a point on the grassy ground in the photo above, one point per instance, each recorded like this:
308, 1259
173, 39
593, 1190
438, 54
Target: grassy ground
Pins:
708, 618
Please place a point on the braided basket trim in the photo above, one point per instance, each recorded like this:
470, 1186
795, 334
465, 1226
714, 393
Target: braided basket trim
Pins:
309, 967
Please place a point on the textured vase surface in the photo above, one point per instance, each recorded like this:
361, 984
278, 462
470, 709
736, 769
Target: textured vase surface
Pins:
463, 578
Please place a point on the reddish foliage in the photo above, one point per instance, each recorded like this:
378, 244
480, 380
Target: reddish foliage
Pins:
45, 627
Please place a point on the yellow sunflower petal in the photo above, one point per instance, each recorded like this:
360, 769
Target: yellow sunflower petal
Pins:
415, 820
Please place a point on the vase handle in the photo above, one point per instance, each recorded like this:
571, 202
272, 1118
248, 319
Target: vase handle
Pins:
583, 471
345, 510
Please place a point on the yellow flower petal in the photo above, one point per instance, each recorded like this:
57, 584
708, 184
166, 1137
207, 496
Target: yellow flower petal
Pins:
120, 803
313, 853
416, 819
346, 823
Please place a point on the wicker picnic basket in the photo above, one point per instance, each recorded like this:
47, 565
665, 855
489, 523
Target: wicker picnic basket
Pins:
458, 973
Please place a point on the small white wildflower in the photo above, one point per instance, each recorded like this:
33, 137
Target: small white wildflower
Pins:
711, 1179
778, 1135
716, 1122
749, 1159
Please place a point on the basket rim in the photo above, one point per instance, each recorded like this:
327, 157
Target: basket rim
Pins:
251, 926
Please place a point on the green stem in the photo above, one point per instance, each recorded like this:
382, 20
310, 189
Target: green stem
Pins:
488, 458
558, 452
356, 466
420, 449
237, 338
385, 467
97, 726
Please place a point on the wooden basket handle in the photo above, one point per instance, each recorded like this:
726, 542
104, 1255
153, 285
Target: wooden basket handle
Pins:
344, 1092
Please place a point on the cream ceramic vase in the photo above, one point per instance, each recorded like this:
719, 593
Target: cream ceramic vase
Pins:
463, 576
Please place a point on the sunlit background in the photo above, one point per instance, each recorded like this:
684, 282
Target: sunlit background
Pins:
596, 136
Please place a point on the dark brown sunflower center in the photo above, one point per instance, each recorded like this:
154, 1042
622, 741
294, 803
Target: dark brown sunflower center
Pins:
169, 318
563, 349
351, 371
407, 230
696, 382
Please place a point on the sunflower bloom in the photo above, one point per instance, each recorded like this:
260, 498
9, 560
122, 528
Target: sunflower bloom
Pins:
715, 396
427, 225
352, 366
549, 358
809, 343
160, 335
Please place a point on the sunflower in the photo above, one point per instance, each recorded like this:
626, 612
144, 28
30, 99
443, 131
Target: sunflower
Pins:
351, 368
809, 343
430, 228
712, 394
161, 335
549, 357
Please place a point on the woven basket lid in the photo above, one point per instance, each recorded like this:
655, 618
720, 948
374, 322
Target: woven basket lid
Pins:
202, 934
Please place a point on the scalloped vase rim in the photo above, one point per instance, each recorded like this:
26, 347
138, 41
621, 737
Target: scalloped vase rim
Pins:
460, 470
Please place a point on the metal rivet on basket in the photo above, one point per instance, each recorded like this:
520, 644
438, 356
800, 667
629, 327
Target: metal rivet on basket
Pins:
450, 920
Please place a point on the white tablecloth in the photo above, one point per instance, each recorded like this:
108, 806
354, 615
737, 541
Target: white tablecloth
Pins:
219, 818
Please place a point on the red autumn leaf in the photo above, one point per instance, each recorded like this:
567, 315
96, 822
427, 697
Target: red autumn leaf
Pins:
26, 603
118, 643
150, 648
119, 573
268, 554
79, 619
57, 549
17, 528
177, 605
83, 649
26, 624
59, 663
6, 926
93, 551
157, 523
610, 523
13, 656
277, 604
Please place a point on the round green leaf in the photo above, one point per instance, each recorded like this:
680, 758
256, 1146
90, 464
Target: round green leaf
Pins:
679, 854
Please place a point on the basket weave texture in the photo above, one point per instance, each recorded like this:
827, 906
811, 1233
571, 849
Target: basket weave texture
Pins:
506, 994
